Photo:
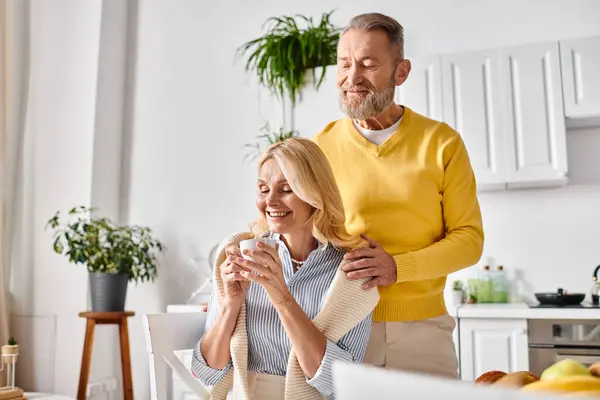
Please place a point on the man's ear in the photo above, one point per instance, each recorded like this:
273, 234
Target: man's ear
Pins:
402, 71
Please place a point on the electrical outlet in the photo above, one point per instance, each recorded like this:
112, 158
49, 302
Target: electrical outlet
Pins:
110, 385
101, 389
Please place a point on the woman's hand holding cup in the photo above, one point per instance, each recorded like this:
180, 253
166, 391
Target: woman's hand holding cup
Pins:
235, 285
261, 264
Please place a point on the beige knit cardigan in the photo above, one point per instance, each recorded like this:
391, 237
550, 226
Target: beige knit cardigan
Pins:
346, 305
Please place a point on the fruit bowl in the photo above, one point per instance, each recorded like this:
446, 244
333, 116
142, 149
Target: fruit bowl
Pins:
565, 377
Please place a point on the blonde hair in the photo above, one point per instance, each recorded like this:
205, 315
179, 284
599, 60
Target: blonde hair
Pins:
310, 176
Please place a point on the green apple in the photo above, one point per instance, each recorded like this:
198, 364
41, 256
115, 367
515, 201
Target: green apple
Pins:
564, 368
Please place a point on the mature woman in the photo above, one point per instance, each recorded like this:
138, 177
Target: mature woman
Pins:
280, 317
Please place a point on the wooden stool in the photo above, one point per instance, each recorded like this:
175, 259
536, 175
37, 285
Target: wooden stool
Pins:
103, 318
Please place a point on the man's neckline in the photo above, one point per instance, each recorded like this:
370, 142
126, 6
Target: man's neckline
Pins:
378, 150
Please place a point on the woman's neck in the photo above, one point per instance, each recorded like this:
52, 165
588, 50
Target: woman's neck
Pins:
300, 244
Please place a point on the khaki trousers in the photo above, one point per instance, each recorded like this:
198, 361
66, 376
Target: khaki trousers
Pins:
424, 346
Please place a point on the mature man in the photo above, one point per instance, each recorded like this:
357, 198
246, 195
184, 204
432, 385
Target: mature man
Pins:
408, 186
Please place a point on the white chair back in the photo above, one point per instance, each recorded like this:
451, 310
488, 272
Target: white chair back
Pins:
357, 382
166, 333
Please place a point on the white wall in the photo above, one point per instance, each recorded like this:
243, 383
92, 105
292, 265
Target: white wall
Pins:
60, 119
194, 108
110, 117
72, 155
191, 111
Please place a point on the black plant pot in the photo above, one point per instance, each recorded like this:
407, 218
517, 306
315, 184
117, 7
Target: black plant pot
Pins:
108, 291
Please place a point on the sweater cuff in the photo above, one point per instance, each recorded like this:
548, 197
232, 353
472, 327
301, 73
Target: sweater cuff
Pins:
406, 267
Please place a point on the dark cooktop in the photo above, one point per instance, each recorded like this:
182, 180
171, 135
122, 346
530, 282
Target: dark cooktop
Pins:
583, 305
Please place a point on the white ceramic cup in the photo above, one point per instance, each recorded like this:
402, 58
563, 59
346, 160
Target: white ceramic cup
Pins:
250, 244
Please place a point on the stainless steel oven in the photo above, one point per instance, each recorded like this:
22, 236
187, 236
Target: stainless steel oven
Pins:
554, 340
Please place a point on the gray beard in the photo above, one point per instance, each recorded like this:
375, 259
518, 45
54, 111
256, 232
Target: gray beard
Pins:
374, 104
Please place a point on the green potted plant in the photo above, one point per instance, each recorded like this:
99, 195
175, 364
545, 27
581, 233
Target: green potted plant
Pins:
10, 351
290, 52
267, 138
113, 254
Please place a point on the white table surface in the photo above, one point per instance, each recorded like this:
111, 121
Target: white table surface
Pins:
350, 381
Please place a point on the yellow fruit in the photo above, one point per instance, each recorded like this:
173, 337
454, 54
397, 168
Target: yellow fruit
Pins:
564, 368
573, 383
516, 379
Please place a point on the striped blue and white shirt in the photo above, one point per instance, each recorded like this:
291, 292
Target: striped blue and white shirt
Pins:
268, 345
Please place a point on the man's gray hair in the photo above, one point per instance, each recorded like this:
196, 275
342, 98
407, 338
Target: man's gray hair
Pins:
377, 21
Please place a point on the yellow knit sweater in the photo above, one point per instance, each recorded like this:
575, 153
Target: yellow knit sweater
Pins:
415, 195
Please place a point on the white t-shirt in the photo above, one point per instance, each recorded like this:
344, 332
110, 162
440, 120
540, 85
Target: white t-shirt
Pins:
379, 136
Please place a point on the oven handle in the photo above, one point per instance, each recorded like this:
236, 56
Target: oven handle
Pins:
589, 360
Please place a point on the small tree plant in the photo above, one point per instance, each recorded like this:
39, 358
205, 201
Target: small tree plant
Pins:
103, 246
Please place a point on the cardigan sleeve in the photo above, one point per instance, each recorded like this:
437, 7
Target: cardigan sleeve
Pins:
200, 369
350, 348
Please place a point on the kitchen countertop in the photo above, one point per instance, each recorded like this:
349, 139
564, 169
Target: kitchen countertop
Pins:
521, 311
493, 311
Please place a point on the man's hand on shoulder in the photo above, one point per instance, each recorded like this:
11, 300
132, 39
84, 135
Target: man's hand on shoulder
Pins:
374, 263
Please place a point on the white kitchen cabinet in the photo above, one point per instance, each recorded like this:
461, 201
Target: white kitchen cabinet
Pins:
422, 90
510, 105
507, 105
532, 103
492, 344
580, 63
471, 105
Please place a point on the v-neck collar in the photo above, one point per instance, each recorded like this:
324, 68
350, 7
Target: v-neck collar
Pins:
286, 259
379, 150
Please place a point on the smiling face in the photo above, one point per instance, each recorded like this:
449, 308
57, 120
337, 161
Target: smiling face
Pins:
282, 209
367, 73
